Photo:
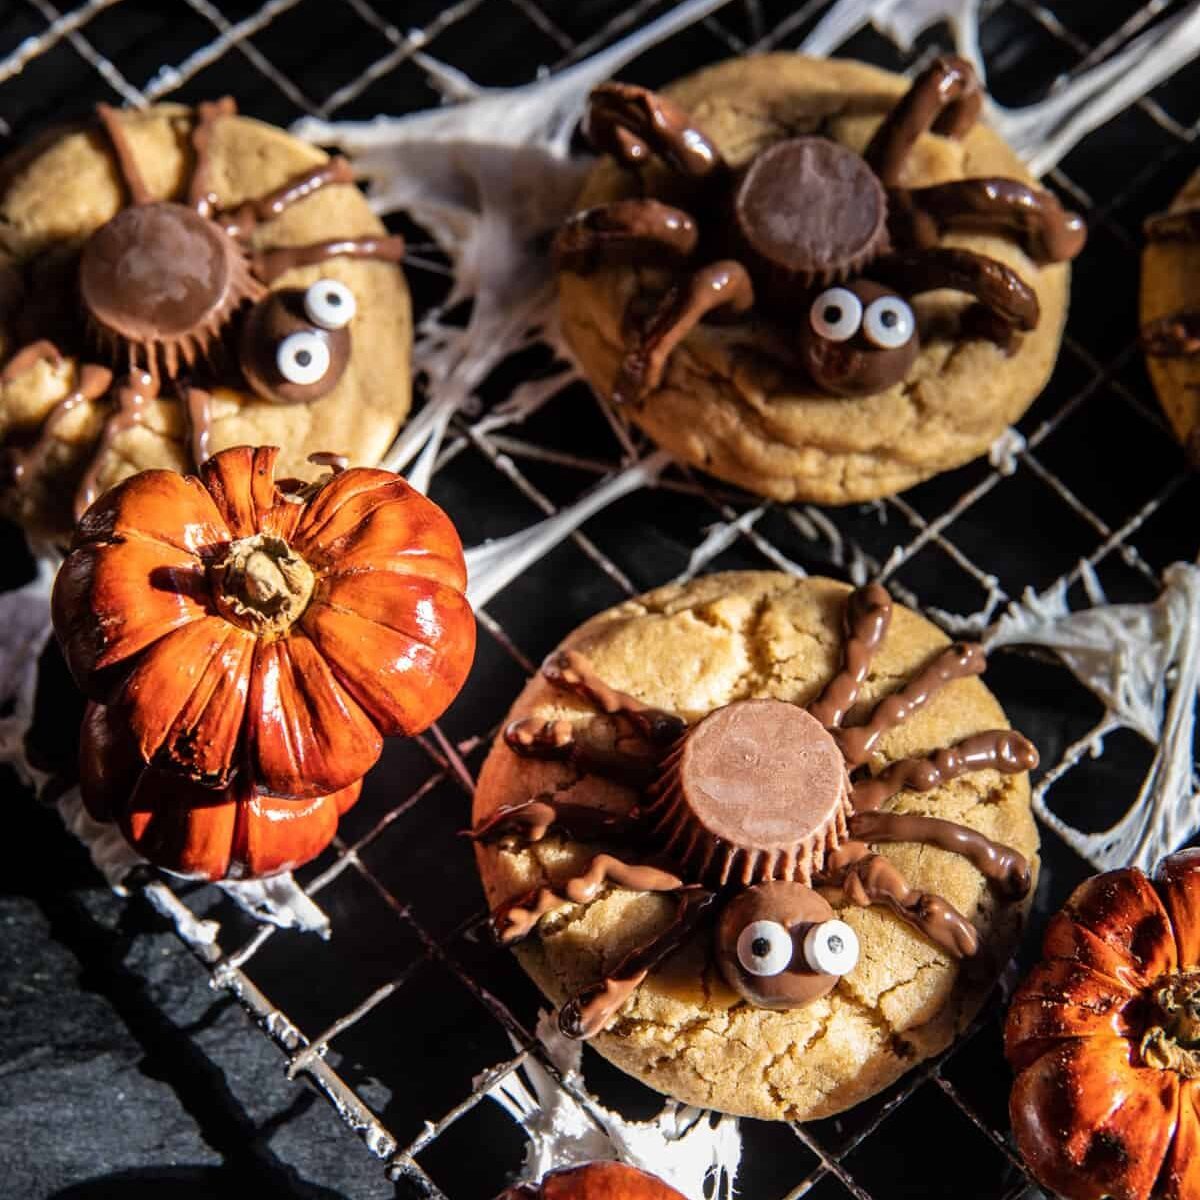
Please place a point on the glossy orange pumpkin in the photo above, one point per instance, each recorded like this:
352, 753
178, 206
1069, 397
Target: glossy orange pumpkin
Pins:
240, 625
594, 1181
198, 832
1105, 1037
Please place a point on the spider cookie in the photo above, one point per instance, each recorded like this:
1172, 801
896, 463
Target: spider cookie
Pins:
176, 281
766, 840
809, 277
1171, 313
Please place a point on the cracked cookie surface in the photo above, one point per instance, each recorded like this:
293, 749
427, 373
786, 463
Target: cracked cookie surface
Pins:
59, 189
692, 648
1171, 284
730, 401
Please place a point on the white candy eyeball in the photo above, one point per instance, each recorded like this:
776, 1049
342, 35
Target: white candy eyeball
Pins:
831, 948
764, 948
330, 304
302, 357
888, 322
836, 314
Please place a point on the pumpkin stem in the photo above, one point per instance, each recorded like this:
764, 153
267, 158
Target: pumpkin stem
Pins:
262, 584
1174, 1043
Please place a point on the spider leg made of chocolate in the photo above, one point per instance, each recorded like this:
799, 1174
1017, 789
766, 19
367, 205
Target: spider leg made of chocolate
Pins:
697, 835
1176, 335
849, 223
163, 283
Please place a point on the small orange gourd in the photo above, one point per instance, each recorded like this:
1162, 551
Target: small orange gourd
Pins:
1104, 1034
266, 631
194, 831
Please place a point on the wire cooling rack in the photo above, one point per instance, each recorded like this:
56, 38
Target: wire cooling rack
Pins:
408, 1013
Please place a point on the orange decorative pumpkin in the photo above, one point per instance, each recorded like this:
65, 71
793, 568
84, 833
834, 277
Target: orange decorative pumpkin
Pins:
1105, 1037
198, 832
594, 1181
244, 626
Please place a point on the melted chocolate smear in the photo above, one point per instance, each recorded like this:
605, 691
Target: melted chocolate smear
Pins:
592, 1010
1002, 750
866, 878
945, 97
28, 357
1176, 335
572, 672
631, 123
556, 741
127, 166
198, 406
1180, 226
270, 264
866, 617
200, 195
337, 463
1002, 866
1005, 294
133, 395
94, 382
1035, 219
955, 662
517, 918
241, 221
724, 284
641, 232
529, 822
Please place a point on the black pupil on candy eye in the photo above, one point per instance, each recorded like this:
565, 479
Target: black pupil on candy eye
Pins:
888, 318
303, 357
333, 298
832, 314
835, 944
760, 947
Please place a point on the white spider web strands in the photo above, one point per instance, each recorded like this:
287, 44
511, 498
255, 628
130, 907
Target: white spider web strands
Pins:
691, 1149
1143, 662
1042, 133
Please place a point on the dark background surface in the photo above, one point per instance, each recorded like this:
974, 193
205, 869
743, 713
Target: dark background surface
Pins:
122, 1073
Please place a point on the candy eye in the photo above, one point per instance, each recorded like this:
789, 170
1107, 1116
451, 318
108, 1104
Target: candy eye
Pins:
836, 314
888, 322
302, 357
831, 948
330, 304
764, 948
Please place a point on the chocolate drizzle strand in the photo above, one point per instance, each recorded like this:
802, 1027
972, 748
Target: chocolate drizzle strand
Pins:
755, 803
164, 284
807, 212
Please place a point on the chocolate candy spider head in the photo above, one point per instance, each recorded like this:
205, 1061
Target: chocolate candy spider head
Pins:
779, 945
858, 338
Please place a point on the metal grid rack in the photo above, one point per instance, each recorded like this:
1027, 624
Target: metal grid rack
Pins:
396, 1016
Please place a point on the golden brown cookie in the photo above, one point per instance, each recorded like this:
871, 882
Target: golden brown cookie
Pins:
1171, 291
94, 297
687, 650
736, 397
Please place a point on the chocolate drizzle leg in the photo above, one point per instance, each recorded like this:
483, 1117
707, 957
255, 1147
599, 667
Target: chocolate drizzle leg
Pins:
517, 919
132, 394
270, 264
1176, 335
631, 123
1181, 225
1000, 865
723, 285
592, 1010
956, 662
198, 406
752, 809
867, 616
200, 195
1002, 750
241, 221
556, 741
644, 232
866, 878
127, 166
945, 97
93, 383
29, 356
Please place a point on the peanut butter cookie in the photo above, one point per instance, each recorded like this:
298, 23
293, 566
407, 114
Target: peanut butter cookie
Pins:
177, 281
811, 279
767, 840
